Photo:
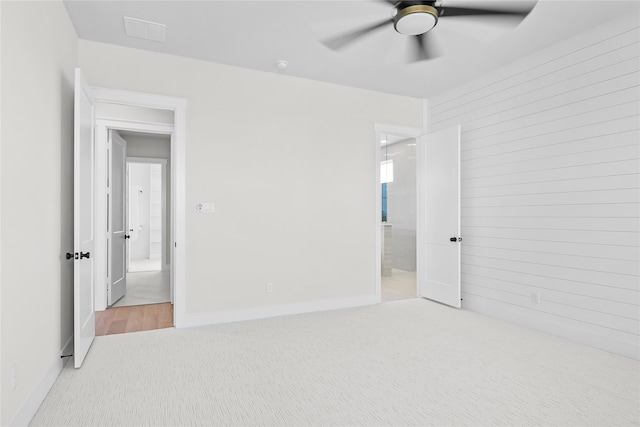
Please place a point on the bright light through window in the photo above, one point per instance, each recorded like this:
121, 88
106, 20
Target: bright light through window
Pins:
386, 171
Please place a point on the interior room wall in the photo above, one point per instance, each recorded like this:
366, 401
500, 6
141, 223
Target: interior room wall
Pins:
550, 196
37, 80
277, 155
139, 221
155, 211
156, 147
401, 203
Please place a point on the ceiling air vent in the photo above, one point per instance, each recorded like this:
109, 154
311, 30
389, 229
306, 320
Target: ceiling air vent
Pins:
144, 29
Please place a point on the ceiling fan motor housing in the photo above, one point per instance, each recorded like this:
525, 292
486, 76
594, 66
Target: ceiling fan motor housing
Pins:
415, 18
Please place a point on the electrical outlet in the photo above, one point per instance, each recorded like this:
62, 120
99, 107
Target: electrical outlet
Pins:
535, 297
14, 377
205, 207
269, 288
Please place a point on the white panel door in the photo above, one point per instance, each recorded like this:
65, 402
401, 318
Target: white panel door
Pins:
117, 226
84, 325
440, 234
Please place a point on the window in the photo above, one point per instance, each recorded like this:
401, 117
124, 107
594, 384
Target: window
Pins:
384, 202
386, 171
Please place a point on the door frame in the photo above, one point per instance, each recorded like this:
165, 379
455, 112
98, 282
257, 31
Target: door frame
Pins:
103, 126
178, 170
163, 203
419, 135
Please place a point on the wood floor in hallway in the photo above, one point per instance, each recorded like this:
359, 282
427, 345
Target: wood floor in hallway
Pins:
135, 318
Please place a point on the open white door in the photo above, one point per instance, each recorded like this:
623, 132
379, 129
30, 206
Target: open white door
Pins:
439, 243
84, 324
117, 224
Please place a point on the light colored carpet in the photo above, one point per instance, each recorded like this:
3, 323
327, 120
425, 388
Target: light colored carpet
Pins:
409, 362
150, 287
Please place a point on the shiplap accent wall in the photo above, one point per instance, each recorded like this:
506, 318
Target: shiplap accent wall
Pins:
550, 188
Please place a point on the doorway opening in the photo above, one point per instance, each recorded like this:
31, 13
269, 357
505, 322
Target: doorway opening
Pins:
142, 255
148, 265
398, 216
144, 216
92, 192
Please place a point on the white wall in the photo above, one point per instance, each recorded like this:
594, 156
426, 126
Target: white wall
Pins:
550, 188
264, 148
155, 211
37, 199
140, 187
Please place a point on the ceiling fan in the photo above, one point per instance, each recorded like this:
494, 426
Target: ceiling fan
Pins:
416, 19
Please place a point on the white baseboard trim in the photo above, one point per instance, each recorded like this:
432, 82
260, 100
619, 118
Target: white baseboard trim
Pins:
214, 318
623, 348
40, 391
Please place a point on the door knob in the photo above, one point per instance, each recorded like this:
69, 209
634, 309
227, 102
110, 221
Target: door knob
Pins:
70, 255
455, 239
85, 254
126, 236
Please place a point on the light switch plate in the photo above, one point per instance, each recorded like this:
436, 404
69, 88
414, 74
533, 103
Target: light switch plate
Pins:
205, 207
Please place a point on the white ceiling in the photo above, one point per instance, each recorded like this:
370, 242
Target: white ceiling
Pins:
256, 34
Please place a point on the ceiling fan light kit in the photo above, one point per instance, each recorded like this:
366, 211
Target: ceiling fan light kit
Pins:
415, 20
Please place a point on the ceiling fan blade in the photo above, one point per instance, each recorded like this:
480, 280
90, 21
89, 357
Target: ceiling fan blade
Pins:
447, 11
424, 48
339, 42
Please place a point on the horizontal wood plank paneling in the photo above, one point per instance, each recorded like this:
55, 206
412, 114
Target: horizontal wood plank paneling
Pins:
596, 237
610, 182
599, 264
627, 253
592, 157
605, 324
592, 170
593, 141
611, 211
541, 282
550, 187
555, 65
622, 309
558, 115
565, 223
